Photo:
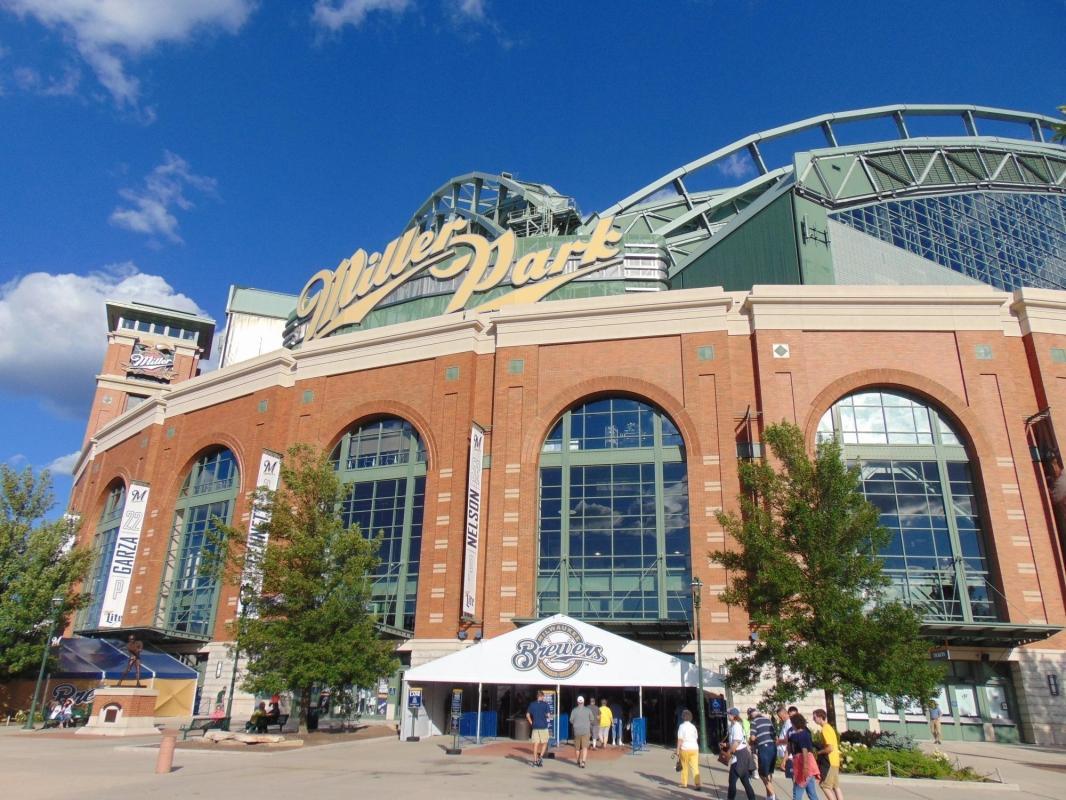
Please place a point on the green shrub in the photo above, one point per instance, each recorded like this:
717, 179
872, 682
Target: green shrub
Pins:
888, 740
912, 763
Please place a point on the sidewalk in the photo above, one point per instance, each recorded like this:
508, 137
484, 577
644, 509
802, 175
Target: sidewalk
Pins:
43, 766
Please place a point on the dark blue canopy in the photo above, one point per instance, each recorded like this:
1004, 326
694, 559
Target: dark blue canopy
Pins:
81, 657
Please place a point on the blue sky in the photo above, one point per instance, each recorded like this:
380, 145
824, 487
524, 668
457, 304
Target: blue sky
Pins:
164, 150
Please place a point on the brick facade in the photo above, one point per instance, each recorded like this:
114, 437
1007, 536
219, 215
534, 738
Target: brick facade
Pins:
653, 348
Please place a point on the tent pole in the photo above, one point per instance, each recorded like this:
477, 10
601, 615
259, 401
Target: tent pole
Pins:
640, 704
478, 713
558, 710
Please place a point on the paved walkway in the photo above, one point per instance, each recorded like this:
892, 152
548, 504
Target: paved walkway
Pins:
40, 765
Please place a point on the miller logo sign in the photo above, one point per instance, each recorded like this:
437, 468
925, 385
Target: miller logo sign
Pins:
158, 361
559, 651
344, 296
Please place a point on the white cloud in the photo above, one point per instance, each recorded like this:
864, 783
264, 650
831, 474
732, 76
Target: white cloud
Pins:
335, 14
64, 465
737, 166
30, 80
164, 189
53, 330
471, 9
107, 32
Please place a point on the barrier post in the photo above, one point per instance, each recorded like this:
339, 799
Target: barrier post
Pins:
164, 762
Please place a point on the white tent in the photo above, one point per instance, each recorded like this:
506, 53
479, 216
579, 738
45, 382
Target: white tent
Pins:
558, 651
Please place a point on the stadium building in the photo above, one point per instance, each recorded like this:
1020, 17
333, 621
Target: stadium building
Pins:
894, 277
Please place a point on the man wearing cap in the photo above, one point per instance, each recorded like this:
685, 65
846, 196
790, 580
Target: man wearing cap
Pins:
740, 761
581, 727
762, 736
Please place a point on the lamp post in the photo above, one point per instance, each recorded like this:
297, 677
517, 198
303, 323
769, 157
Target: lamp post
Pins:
57, 604
242, 600
697, 600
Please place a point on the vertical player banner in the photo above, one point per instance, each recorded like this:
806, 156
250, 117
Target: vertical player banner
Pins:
553, 731
121, 569
473, 520
269, 475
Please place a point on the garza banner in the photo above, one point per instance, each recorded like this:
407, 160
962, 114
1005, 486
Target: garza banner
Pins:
473, 519
121, 570
269, 475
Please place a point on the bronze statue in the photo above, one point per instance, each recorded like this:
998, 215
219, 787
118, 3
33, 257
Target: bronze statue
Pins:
134, 646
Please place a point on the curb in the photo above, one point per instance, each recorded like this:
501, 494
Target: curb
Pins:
926, 783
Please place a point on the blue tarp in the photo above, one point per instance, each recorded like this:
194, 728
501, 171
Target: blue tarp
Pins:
81, 657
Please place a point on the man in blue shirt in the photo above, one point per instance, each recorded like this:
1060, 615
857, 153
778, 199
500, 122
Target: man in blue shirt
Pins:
537, 715
762, 734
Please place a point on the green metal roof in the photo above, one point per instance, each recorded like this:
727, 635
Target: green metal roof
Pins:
261, 302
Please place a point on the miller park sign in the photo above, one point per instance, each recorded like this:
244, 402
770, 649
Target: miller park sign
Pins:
332, 299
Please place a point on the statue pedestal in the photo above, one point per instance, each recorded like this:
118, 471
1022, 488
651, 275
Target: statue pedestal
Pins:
122, 711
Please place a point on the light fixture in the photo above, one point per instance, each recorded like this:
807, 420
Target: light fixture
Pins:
461, 636
479, 636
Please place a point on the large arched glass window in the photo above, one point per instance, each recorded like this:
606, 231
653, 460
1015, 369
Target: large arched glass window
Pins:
383, 464
189, 594
614, 524
104, 541
915, 469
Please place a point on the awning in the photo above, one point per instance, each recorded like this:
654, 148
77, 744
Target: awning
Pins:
566, 651
102, 658
987, 634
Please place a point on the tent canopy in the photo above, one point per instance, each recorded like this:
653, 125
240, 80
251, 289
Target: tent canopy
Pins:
106, 659
565, 651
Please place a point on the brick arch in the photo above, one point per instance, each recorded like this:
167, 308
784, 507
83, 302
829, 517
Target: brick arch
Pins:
541, 425
121, 474
197, 448
377, 409
912, 383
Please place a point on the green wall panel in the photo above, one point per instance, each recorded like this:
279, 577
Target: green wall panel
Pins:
762, 249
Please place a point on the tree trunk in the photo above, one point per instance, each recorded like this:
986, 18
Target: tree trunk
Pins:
305, 708
831, 709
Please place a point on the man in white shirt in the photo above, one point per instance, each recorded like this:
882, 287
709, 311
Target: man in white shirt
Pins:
688, 750
785, 716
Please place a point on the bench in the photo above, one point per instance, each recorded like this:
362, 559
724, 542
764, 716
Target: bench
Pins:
280, 720
205, 724
266, 723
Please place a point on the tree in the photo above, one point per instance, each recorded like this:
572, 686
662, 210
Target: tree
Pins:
311, 624
1060, 128
36, 564
807, 573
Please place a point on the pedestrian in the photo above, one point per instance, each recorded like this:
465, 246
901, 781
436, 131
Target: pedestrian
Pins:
741, 764
762, 736
616, 727
606, 722
537, 716
828, 745
581, 728
934, 720
784, 716
688, 750
804, 764
594, 736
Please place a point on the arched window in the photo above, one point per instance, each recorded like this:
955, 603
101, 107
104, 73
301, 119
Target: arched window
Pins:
188, 595
614, 525
915, 469
104, 541
383, 464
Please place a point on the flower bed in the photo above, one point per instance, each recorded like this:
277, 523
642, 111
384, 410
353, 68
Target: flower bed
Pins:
907, 762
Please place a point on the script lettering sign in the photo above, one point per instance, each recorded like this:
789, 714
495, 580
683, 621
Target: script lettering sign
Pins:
344, 296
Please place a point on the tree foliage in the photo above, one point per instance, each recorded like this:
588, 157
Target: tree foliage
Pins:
807, 573
36, 564
1060, 128
311, 624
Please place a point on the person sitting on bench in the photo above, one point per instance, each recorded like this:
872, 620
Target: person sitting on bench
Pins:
258, 721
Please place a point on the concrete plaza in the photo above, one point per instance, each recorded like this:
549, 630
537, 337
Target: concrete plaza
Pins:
43, 765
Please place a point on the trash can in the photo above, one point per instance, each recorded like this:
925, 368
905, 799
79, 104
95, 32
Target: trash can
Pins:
521, 729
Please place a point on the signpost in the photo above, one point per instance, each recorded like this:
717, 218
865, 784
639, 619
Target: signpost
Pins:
414, 702
457, 715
